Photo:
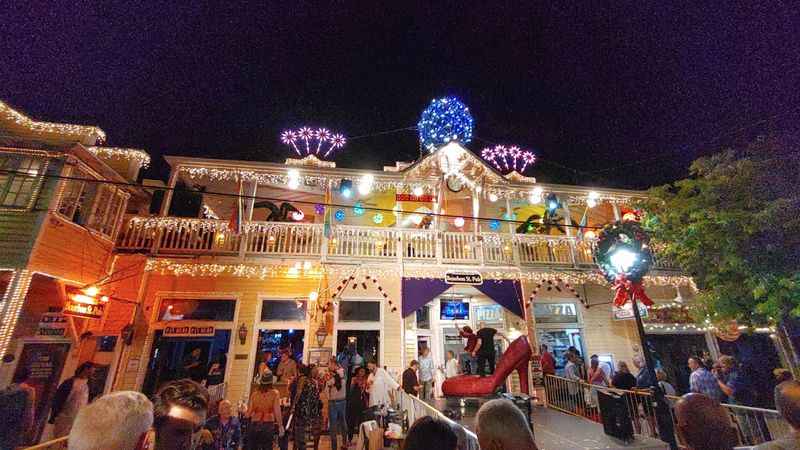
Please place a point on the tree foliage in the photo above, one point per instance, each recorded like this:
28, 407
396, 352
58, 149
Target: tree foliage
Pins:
734, 226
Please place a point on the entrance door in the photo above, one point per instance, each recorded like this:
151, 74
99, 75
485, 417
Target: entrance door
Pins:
45, 361
558, 341
272, 342
175, 358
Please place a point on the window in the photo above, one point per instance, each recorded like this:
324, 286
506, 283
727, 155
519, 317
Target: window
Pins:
18, 185
108, 207
282, 310
191, 309
350, 311
76, 201
91, 204
555, 312
424, 318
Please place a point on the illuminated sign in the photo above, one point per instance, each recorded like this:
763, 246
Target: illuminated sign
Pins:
470, 278
414, 198
83, 309
454, 310
188, 331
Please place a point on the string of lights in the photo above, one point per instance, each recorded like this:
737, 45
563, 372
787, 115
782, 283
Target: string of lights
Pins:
505, 219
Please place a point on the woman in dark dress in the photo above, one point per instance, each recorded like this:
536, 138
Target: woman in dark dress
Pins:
356, 401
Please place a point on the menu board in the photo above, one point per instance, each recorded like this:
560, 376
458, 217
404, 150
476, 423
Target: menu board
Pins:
45, 361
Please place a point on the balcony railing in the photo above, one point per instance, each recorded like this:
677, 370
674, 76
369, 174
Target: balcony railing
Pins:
176, 236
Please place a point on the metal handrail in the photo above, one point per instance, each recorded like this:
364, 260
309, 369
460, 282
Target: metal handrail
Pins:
60, 443
405, 399
754, 425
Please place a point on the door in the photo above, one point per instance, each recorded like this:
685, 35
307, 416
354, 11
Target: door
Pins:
45, 362
271, 342
558, 341
176, 358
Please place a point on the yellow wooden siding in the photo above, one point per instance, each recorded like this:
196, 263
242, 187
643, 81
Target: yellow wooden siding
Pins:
248, 292
68, 251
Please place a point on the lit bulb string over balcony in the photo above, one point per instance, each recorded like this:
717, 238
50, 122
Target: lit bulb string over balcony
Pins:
155, 220
262, 271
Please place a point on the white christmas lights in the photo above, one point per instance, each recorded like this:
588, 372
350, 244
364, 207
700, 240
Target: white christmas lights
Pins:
129, 154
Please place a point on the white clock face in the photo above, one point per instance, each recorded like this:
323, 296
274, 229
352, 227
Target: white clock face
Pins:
454, 184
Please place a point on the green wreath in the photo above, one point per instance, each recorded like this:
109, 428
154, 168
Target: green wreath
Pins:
631, 244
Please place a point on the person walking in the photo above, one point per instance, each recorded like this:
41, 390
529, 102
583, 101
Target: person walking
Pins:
451, 366
701, 381
468, 362
70, 397
337, 404
306, 410
484, 349
410, 381
380, 385
357, 400
17, 411
426, 368
548, 362
265, 416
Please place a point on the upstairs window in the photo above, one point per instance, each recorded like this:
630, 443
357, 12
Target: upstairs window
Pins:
20, 179
95, 205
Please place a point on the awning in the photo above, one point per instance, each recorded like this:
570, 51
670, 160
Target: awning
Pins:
417, 292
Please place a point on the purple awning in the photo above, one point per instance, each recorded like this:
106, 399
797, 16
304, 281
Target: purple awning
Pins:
417, 292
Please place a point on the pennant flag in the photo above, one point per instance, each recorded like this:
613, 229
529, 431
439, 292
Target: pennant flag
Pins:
235, 225
582, 225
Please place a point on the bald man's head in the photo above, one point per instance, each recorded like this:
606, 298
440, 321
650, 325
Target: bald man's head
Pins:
703, 423
502, 426
787, 400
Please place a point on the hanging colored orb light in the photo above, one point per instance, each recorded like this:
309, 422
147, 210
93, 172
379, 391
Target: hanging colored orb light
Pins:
445, 120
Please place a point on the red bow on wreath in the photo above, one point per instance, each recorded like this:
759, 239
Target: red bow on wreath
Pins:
627, 289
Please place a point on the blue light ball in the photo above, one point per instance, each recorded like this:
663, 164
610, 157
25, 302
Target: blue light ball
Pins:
358, 209
445, 120
494, 225
339, 215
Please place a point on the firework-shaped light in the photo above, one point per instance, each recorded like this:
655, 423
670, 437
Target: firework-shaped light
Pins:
289, 137
318, 141
507, 159
337, 141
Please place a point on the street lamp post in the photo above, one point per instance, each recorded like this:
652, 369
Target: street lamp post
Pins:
621, 259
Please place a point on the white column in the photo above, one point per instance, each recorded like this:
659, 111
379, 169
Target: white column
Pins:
13, 299
166, 201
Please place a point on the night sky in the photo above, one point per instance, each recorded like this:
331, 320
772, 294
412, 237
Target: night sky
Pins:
622, 97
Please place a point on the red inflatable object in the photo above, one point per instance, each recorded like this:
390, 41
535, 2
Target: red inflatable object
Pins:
516, 357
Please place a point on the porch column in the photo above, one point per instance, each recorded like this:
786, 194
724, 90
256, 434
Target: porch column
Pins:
166, 201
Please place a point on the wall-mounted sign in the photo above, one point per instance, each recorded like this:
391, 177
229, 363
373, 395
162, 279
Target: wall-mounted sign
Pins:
188, 331
488, 314
414, 198
625, 312
52, 324
84, 310
463, 277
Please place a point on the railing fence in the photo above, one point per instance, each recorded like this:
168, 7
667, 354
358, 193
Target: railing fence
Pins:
755, 425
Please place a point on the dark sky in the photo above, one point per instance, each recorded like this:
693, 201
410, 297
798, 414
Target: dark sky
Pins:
626, 95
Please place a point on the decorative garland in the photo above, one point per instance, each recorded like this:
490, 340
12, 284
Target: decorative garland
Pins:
629, 242
554, 284
343, 286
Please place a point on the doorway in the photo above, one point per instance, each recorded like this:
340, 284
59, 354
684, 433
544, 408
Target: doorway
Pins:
558, 341
275, 341
173, 358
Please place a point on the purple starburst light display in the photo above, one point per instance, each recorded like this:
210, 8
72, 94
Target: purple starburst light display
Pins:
316, 141
507, 159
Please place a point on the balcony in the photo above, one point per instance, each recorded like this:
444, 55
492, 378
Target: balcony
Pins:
198, 237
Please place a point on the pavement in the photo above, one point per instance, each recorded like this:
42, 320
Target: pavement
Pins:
555, 430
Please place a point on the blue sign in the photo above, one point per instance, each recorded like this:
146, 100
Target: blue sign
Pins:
454, 310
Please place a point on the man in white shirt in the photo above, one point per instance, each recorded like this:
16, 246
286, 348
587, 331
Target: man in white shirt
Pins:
426, 368
380, 385
451, 366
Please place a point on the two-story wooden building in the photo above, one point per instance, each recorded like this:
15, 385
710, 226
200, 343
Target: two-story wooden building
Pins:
62, 200
247, 257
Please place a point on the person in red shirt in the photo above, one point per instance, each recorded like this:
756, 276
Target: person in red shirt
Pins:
547, 361
468, 363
